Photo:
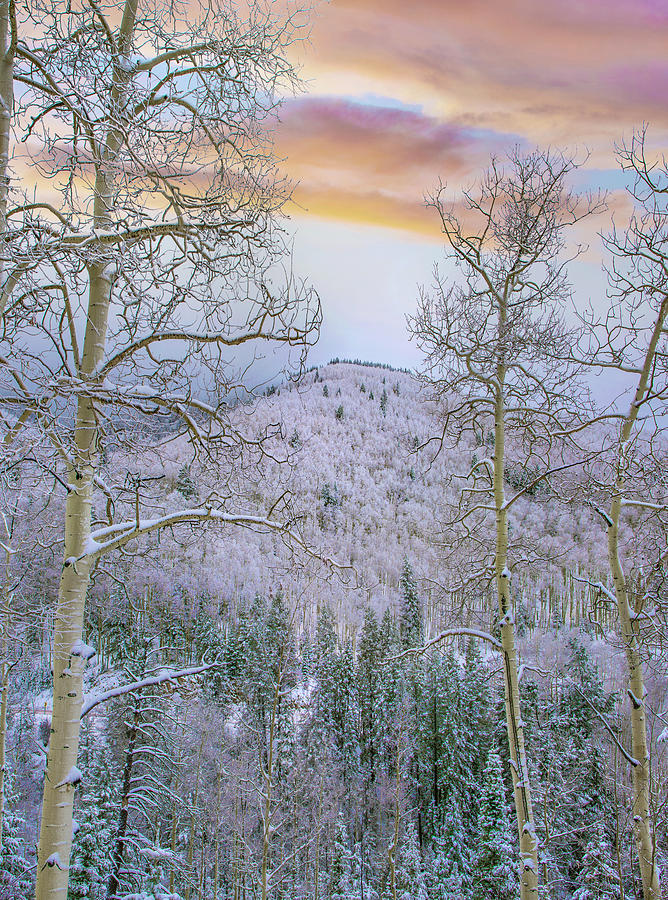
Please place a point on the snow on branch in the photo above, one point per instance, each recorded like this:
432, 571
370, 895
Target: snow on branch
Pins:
112, 537
449, 632
643, 504
161, 678
597, 585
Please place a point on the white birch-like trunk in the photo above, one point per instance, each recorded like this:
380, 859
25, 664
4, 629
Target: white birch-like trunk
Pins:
4, 689
642, 817
7, 47
55, 841
518, 759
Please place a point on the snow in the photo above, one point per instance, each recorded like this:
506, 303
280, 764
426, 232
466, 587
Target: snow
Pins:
155, 853
80, 648
160, 677
92, 547
54, 860
508, 618
73, 777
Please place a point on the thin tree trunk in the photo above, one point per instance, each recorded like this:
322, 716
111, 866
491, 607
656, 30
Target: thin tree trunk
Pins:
119, 845
642, 817
55, 841
8, 37
518, 761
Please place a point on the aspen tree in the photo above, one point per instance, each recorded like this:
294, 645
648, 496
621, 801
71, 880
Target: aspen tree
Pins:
8, 40
631, 339
149, 119
495, 352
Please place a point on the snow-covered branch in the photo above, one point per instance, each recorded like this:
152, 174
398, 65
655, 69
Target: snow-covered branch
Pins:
447, 633
120, 691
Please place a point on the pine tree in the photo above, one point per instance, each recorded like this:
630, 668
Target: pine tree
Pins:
411, 625
411, 883
341, 868
494, 868
451, 866
91, 853
475, 728
185, 484
15, 880
598, 879
368, 701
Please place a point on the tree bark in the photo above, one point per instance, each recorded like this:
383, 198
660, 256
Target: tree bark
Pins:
642, 818
518, 761
7, 51
55, 841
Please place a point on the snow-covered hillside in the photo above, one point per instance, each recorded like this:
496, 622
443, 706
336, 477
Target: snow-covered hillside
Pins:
362, 494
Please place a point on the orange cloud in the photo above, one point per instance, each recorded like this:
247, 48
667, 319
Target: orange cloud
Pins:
464, 80
375, 164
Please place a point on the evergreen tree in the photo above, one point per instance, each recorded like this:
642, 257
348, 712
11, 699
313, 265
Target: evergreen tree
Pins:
185, 484
368, 699
411, 625
451, 866
474, 736
411, 882
96, 816
598, 878
362, 888
15, 876
341, 868
392, 691
494, 868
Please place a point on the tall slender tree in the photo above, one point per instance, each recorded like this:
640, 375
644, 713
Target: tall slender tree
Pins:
132, 288
496, 357
631, 338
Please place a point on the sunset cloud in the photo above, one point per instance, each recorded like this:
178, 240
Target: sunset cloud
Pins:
402, 94
376, 163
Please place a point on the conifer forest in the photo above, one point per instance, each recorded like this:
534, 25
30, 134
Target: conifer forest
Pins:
346, 631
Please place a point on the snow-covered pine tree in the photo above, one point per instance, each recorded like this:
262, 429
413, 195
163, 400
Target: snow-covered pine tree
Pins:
368, 701
598, 878
341, 867
96, 814
411, 624
15, 876
411, 882
450, 875
362, 887
494, 865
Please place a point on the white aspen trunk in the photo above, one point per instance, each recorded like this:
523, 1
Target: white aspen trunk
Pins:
642, 816
518, 761
394, 846
267, 777
8, 38
7, 49
55, 841
4, 688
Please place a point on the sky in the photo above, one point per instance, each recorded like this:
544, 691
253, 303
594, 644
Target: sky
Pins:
400, 95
